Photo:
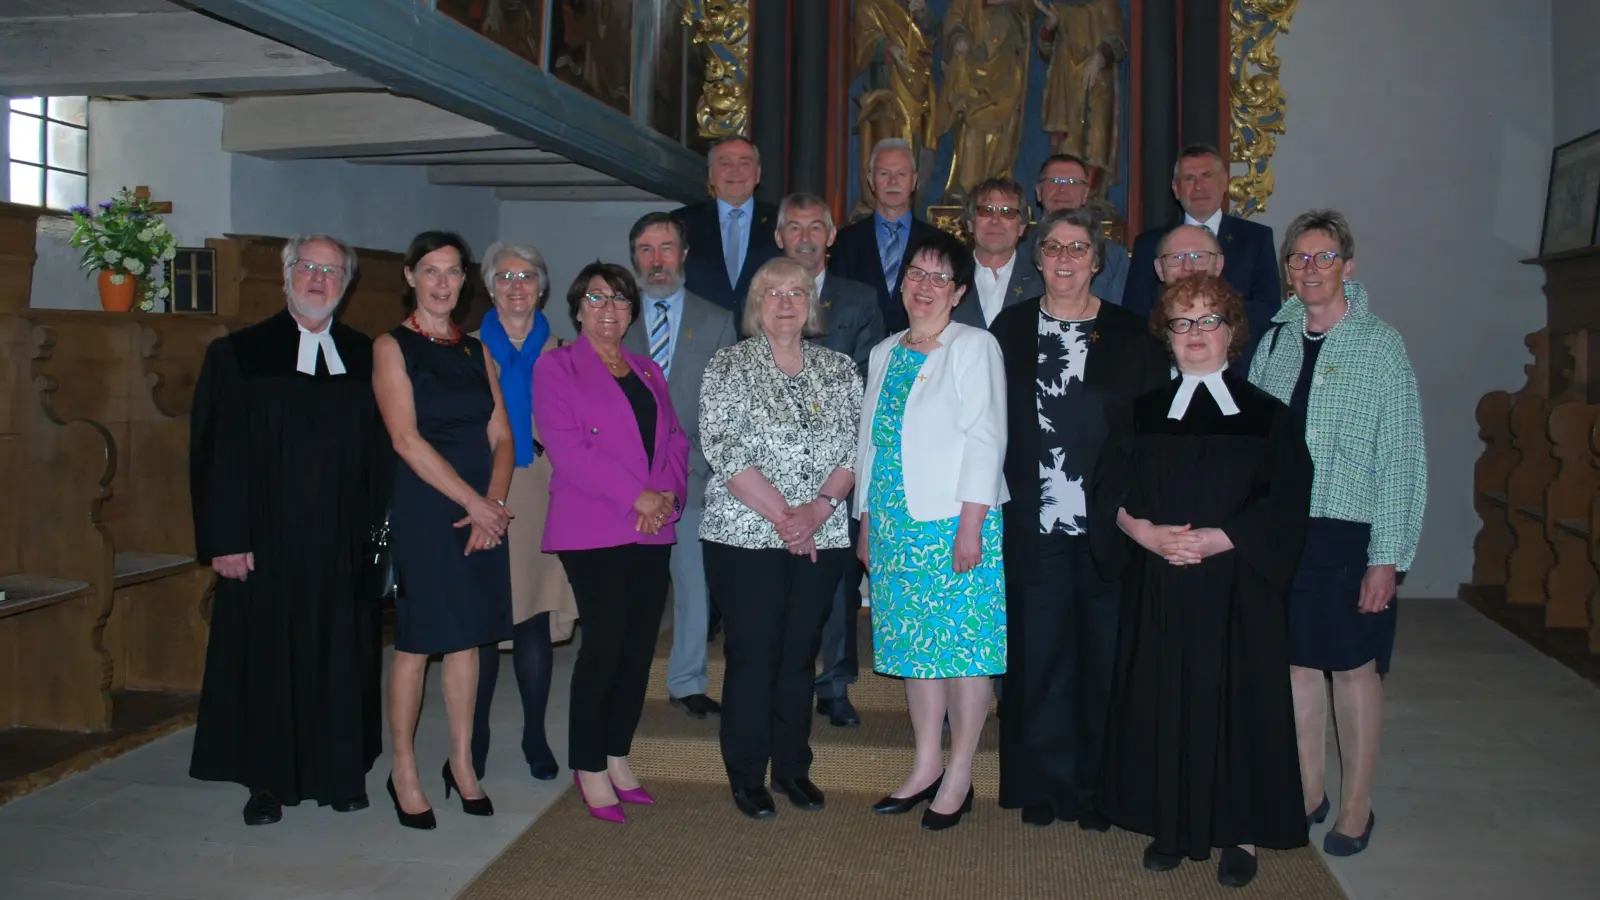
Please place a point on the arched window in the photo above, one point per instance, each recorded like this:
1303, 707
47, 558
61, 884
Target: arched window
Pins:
48, 150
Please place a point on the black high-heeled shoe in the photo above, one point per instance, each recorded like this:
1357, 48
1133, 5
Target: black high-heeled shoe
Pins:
423, 820
938, 821
894, 806
479, 807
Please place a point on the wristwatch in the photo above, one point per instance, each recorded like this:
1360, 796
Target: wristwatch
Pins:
833, 502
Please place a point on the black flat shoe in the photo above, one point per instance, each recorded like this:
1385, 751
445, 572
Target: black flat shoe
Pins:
894, 806
423, 820
1039, 815
482, 806
840, 711
1156, 861
262, 809
938, 821
698, 706
1090, 820
357, 802
802, 793
1336, 844
755, 802
1318, 815
1237, 867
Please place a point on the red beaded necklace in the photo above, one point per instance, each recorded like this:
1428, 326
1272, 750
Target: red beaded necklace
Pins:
453, 339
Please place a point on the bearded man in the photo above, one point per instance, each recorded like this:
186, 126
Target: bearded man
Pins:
289, 470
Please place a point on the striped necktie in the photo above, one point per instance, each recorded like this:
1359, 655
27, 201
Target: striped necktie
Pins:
891, 255
661, 338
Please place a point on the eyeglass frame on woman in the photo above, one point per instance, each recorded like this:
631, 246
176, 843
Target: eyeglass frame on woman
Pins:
509, 276
942, 279
617, 301
1331, 256
1192, 324
797, 296
1082, 248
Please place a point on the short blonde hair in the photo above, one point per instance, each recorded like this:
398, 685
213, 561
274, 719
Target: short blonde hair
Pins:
780, 268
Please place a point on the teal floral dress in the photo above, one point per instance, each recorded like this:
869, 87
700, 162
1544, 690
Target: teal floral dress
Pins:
927, 621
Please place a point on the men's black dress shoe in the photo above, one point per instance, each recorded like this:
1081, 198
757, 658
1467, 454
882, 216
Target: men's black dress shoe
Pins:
755, 802
801, 792
1236, 867
262, 809
1039, 814
350, 805
1156, 861
894, 806
1089, 820
698, 705
840, 711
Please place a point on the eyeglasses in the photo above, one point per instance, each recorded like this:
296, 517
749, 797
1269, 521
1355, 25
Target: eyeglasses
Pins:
1068, 182
942, 279
794, 297
1009, 213
308, 268
1074, 249
1188, 256
1298, 261
1205, 323
508, 277
617, 301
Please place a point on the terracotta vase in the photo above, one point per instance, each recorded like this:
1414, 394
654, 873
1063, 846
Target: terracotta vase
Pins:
117, 297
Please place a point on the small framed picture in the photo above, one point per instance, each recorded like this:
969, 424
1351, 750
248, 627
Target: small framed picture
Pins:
192, 274
1572, 202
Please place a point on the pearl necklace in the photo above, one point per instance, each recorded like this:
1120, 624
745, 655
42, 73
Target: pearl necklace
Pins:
1305, 326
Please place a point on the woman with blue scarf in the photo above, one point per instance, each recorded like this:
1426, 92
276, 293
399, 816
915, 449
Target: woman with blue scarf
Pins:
515, 332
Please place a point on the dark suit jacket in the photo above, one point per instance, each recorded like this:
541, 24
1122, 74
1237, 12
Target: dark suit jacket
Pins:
706, 268
1124, 362
1026, 283
855, 256
853, 321
1249, 263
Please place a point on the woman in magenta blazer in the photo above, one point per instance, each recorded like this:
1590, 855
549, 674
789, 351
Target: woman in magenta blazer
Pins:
619, 461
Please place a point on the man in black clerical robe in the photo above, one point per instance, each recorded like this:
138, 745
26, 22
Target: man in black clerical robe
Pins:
289, 471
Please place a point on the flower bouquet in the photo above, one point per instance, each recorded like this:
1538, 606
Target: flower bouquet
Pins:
126, 243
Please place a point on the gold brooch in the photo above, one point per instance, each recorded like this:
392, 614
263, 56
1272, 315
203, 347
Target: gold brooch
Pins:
468, 349
1094, 336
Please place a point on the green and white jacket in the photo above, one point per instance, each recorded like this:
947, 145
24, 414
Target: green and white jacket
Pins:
1363, 422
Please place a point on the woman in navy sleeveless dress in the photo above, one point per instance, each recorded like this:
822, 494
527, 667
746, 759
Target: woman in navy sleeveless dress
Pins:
440, 397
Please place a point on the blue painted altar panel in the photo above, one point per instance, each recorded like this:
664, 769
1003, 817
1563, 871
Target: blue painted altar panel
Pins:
1035, 147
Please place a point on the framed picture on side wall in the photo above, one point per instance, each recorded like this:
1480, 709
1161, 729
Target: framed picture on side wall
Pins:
1572, 202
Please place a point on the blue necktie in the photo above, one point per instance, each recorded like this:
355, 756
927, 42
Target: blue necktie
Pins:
891, 255
733, 246
661, 339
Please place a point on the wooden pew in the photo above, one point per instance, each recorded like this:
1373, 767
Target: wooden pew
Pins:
55, 553
1530, 475
1491, 549
1571, 583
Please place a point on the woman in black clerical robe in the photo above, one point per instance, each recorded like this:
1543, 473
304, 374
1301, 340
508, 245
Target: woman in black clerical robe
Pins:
1209, 483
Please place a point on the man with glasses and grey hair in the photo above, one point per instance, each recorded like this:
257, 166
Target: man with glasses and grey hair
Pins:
290, 469
1064, 184
681, 332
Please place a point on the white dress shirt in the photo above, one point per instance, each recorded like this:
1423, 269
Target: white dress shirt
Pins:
1213, 383
1213, 224
310, 343
992, 284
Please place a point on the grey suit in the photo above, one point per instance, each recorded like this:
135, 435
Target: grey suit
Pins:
1026, 283
852, 318
704, 329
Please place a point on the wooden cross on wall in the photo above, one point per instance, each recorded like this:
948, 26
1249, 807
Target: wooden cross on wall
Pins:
160, 207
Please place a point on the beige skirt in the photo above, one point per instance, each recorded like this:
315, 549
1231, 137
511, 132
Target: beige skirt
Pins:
538, 582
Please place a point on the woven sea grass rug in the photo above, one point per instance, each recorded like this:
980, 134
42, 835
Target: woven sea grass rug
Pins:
694, 845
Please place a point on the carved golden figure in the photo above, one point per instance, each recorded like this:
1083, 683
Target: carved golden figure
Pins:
893, 49
1083, 40
1256, 100
722, 28
985, 87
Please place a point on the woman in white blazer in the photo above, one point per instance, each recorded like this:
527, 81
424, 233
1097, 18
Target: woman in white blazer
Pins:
932, 446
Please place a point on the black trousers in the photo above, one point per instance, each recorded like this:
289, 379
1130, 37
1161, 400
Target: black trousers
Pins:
620, 592
773, 606
841, 664
1061, 622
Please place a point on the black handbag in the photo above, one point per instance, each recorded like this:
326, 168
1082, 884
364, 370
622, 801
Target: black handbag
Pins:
379, 580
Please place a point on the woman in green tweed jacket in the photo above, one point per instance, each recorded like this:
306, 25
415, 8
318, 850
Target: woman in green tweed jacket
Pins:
1344, 371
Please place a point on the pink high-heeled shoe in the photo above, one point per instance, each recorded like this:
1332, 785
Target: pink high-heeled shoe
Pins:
612, 813
637, 796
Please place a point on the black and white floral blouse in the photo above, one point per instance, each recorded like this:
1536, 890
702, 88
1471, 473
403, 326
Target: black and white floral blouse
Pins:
1065, 425
795, 431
